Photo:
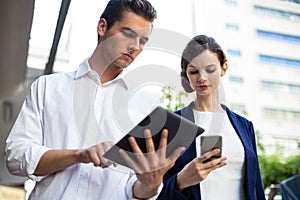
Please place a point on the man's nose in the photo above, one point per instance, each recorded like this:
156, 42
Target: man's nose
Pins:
134, 44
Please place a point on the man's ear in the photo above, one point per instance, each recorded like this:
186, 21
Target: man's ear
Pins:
102, 27
224, 68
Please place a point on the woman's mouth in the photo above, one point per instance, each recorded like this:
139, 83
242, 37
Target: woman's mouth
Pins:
202, 87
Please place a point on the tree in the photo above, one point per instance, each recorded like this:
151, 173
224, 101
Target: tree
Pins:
275, 167
170, 100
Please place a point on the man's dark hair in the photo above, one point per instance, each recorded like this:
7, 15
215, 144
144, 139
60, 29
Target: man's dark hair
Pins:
115, 10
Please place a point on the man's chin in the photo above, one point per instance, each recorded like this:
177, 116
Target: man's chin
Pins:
123, 65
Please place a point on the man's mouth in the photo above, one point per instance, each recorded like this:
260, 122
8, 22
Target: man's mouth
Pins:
128, 56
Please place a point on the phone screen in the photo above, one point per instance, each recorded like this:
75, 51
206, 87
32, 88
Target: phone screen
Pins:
208, 143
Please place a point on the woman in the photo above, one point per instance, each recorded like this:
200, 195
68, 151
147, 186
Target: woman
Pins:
235, 175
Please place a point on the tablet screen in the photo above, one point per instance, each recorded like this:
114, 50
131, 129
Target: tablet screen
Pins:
182, 132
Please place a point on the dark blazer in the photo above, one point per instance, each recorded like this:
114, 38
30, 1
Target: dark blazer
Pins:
245, 131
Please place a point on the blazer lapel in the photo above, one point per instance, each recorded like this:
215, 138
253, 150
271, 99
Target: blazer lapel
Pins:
241, 130
190, 153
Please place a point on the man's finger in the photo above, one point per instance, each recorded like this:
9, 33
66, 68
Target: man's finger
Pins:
175, 155
164, 138
135, 147
148, 141
129, 161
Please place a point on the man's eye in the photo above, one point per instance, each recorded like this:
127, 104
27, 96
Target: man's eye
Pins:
128, 34
143, 42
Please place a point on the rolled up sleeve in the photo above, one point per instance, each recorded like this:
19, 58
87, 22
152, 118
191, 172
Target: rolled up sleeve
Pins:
130, 185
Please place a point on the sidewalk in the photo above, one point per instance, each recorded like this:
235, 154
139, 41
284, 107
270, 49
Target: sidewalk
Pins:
11, 193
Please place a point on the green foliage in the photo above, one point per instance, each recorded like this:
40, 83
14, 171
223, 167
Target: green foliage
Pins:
260, 146
171, 101
275, 168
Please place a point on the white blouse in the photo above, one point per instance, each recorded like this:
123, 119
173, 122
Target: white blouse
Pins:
225, 182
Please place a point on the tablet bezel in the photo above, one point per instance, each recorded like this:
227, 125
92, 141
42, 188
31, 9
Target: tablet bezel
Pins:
182, 132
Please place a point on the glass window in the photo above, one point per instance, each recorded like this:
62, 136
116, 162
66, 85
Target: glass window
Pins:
239, 107
280, 87
292, 1
230, 2
234, 52
281, 114
236, 79
278, 36
232, 27
277, 13
279, 61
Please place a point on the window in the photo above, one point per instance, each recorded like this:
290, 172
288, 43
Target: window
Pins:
279, 61
7, 111
277, 13
292, 1
231, 2
232, 27
236, 79
234, 52
280, 87
281, 114
278, 36
239, 107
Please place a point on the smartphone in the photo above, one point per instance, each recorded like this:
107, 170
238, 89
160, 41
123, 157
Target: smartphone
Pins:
208, 143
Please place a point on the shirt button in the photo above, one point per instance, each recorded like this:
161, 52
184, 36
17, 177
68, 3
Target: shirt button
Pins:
84, 175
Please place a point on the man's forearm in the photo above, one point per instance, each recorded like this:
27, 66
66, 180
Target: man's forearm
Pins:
56, 160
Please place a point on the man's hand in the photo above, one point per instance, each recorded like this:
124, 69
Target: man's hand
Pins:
95, 154
150, 167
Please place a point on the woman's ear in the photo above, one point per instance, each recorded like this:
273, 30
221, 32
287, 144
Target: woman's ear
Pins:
224, 68
102, 27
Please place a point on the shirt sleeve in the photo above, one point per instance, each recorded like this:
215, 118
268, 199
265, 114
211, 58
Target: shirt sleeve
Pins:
129, 188
24, 143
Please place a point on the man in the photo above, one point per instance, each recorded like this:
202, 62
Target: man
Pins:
67, 121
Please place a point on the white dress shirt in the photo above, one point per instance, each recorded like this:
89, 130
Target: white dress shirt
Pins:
74, 110
225, 183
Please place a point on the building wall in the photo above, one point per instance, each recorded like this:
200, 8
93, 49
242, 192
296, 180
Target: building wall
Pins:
262, 40
10, 106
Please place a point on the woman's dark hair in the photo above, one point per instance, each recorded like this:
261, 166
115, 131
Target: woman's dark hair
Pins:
115, 10
195, 47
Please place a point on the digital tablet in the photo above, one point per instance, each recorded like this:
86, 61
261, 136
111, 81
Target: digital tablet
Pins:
181, 132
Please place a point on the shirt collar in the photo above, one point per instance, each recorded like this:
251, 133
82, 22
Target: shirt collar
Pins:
86, 70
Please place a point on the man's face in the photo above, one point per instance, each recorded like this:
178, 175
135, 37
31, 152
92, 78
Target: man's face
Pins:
125, 40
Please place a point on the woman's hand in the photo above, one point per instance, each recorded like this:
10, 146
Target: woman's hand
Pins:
196, 171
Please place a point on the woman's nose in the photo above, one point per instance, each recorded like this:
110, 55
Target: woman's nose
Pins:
201, 77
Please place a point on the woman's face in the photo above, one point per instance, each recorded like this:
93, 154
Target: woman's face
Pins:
204, 73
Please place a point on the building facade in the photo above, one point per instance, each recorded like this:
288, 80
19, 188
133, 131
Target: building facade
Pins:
262, 41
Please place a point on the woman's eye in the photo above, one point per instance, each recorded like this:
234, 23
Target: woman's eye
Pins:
194, 72
210, 70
